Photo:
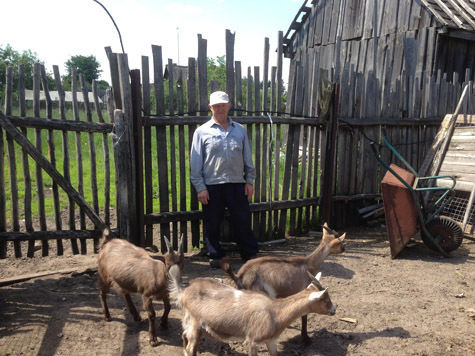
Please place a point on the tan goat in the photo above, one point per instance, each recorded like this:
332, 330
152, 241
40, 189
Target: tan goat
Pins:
134, 270
280, 277
227, 313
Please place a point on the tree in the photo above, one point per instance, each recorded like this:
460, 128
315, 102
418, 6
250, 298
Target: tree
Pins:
11, 57
88, 66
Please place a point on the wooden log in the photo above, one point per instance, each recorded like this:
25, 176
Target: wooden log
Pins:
276, 176
191, 215
52, 153
38, 139
92, 150
158, 80
273, 89
182, 163
65, 125
65, 149
238, 81
329, 168
147, 150
303, 178
26, 166
79, 167
49, 235
257, 152
3, 215
279, 71
12, 159
312, 151
126, 155
105, 149
192, 108
174, 197
55, 175
246, 120
173, 183
114, 70
202, 76
136, 101
230, 66
265, 77
249, 94
286, 179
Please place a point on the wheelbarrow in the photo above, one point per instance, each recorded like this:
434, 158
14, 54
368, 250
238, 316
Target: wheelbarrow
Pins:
407, 212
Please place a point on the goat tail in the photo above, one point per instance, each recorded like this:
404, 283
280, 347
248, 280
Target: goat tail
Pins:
106, 237
174, 286
226, 267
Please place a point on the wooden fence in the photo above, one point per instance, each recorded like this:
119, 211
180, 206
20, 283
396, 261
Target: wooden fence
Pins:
47, 207
304, 164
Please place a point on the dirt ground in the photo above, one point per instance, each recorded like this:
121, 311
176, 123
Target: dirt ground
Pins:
418, 304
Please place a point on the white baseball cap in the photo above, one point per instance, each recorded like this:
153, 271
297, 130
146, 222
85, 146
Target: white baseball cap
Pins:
218, 97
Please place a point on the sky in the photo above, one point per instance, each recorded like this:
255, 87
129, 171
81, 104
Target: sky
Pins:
58, 29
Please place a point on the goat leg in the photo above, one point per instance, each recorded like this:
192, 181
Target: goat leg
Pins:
303, 331
272, 347
192, 339
252, 349
147, 302
103, 289
131, 307
166, 311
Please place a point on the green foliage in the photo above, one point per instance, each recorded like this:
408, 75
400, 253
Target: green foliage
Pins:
11, 57
88, 66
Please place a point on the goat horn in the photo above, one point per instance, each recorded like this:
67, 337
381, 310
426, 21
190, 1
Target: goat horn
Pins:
169, 245
331, 231
180, 249
315, 281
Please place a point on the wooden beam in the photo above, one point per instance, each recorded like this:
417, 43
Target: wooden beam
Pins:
46, 165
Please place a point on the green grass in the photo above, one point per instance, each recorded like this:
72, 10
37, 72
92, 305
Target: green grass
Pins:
100, 168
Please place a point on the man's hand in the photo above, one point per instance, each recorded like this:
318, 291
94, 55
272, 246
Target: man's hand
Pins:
248, 190
203, 196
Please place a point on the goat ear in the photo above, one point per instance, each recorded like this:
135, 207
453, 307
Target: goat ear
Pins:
318, 276
169, 246
342, 237
317, 295
180, 249
315, 281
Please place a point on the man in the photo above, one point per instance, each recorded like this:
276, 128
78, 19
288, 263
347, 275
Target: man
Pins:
223, 175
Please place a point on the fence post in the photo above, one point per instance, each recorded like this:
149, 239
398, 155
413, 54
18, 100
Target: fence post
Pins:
329, 168
138, 174
125, 164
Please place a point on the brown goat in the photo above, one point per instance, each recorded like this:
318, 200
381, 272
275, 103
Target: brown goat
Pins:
135, 270
280, 277
227, 313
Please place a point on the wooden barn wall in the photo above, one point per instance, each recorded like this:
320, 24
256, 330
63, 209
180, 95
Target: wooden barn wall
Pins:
391, 65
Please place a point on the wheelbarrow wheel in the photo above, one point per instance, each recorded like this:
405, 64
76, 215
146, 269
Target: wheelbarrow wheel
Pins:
450, 232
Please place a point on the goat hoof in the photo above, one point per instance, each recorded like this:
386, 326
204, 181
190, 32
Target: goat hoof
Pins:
154, 342
107, 318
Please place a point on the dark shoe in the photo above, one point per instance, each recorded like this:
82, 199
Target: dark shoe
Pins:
215, 263
247, 258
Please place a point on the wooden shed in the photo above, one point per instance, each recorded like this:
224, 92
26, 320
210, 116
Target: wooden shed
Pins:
393, 50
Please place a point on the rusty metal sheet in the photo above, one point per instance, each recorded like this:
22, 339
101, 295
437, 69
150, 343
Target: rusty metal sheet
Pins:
399, 208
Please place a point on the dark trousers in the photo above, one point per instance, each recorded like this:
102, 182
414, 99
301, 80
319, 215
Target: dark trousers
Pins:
230, 195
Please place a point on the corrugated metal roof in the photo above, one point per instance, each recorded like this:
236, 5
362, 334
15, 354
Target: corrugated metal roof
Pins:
458, 14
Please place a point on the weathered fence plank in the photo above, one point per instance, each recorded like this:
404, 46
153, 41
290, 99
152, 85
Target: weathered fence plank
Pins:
80, 175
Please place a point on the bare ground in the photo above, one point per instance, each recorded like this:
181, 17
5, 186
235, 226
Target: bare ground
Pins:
418, 304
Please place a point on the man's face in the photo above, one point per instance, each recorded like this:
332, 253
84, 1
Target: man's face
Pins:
220, 111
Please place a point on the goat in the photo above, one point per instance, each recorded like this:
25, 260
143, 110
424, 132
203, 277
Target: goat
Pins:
227, 313
135, 270
281, 277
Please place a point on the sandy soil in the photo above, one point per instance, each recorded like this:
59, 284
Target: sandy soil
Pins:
418, 304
